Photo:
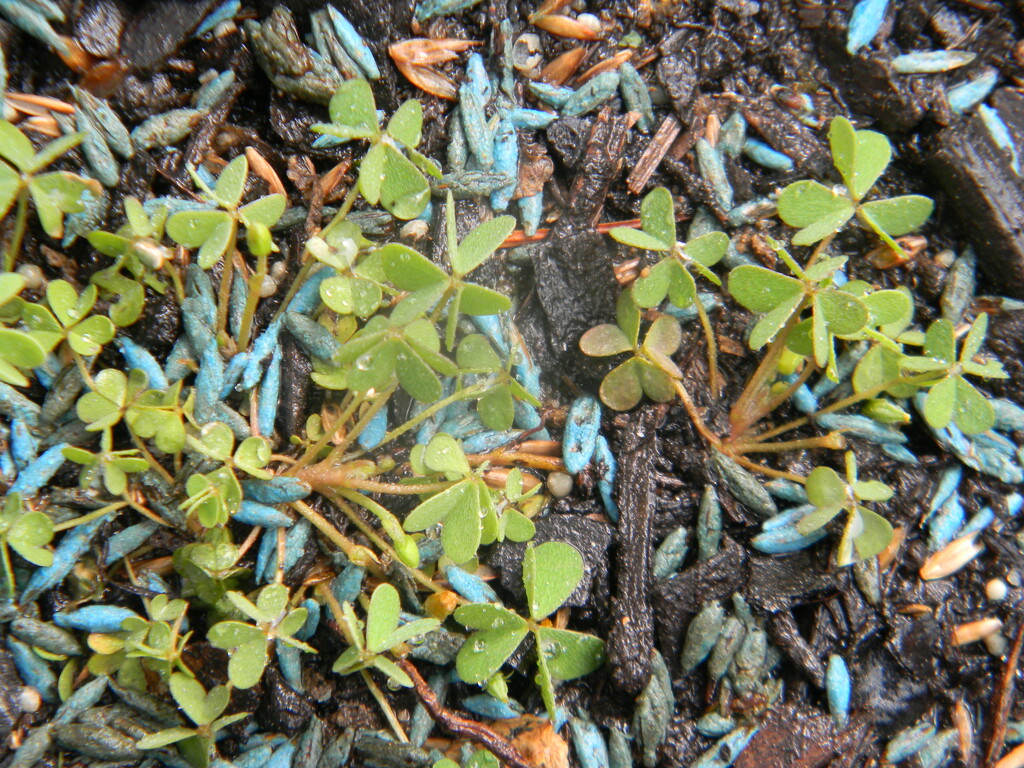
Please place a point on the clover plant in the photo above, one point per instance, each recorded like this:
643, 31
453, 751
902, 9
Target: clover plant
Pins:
137, 250
383, 634
205, 709
951, 399
467, 510
109, 467
25, 531
19, 351
391, 171
249, 644
149, 413
432, 286
143, 646
68, 319
650, 371
551, 572
861, 157
54, 193
866, 533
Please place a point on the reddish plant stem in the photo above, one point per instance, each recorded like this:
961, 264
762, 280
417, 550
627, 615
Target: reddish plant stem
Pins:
476, 732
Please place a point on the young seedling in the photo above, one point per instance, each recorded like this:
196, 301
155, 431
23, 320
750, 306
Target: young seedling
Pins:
54, 193
650, 371
249, 645
143, 646
496, 406
432, 287
865, 533
672, 276
551, 572
383, 634
204, 709
466, 511
136, 249
781, 300
151, 413
860, 157
951, 399
210, 568
109, 467
68, 319
217, 495
391, 172
19, 351
357, 288
27, 533
215, 232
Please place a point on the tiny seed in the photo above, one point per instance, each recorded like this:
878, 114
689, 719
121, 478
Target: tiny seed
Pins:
590, 21
34, 277
560, 484
416, 229
278, 270
972, 631
268, 287
996, 644
945, 258
996, 590
28, 699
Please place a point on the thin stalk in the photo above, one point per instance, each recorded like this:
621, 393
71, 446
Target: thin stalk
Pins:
87, 518
294, 287
352, 551
463, 394
20, 223
695, 416
251, 300
348, 407
146, 512
376, 486
382, 545
805, 374
8, 570
151, 459
745, 412
845, 402
226, 275
709, 335
508, 458
753, 466
832, 441
357, 429
172, 272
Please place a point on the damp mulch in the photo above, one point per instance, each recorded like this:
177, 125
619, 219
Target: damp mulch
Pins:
708, 58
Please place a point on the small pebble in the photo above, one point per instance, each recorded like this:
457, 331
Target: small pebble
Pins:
996, 590
559, 484
996, 644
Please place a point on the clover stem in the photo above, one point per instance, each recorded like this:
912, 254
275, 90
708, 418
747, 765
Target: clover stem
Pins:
251, 300
300, 278
845, 402
832, 441
746, 411
349, 406
753, 466
463, 394
809, 368
382, 701
95, 514
350, 549
226, 275
380, 402
279, 572
8, 571
709, 333
382, 545
695, 416
818, 250
151, 459
172, 272
20, 223
375, 486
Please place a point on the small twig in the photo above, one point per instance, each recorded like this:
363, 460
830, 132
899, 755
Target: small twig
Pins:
476, 732
1002, 700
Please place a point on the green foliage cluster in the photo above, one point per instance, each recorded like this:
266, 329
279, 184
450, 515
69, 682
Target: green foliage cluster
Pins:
804, 315
391, 316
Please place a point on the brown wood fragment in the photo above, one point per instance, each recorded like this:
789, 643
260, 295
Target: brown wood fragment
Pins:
1002, 700
653, 154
